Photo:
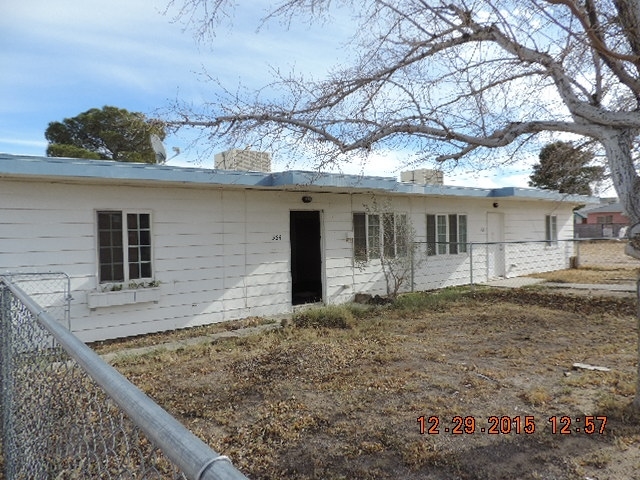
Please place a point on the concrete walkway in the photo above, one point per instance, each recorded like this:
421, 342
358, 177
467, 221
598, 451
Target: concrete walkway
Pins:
518, 282
515, 282
620, 287
187, 342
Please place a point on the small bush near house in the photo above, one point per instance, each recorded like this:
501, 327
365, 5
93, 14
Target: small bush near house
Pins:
332, 316
417, 301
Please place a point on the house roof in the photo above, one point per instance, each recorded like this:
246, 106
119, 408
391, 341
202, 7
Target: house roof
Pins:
614, 207
66, 169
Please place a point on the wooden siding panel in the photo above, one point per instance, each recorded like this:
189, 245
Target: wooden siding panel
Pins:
203, 238
221, 255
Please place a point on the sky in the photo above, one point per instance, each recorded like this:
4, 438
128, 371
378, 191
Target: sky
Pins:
62, 58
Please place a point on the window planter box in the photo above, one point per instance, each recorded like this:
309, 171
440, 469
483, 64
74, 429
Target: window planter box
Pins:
123, 297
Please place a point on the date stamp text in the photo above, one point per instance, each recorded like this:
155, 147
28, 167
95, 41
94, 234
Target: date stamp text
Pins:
505, 425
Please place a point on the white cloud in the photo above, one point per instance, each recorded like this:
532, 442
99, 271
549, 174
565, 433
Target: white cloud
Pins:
40, 144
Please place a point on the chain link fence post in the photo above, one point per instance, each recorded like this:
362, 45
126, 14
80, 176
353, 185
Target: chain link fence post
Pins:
471, 264
413, 266
6, 358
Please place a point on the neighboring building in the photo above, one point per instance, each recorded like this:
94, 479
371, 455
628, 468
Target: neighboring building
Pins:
601, 221
216, 245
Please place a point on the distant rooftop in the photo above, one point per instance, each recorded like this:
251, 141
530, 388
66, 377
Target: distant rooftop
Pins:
67, 169
614, 207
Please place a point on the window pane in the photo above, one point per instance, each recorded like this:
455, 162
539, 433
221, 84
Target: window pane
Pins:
551, 228
106, 275
374, 236
145, 254
453, 234
402, 235
442, 234
547, 228
115, 244
146, 270
118, 272
132, 221
116, 238
431, 235
104, 221
359, 237
462, 233
145, 237
110, 246
133, 237
105, 255
104, 237
388, 229
134, 271
139, 238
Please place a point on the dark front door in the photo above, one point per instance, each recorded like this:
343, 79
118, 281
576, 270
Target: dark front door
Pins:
306, 257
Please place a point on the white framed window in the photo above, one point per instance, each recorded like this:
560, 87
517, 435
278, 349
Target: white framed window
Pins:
446, 234
124, 246
374, 234
551, 229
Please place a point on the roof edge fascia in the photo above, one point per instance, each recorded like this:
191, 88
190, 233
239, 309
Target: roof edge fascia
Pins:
77, 169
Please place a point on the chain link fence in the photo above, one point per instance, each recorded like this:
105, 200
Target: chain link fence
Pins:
66, 414
436, 265
604, 254
50, 290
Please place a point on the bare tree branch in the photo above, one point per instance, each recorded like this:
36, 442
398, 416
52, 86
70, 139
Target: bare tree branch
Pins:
450, 80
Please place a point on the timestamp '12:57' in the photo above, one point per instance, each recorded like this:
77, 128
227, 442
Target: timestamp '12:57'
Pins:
588, 424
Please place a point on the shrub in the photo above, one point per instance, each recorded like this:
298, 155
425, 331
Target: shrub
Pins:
331, 316
418, 301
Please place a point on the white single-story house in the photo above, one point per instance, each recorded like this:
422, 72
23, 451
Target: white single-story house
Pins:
155, 247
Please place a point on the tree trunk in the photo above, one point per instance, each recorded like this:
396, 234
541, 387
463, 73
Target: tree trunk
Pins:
618, 146
627, 184
636, 399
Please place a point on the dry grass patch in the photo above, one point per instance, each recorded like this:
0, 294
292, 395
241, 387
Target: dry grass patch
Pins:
314, 402
591, 275
118, 344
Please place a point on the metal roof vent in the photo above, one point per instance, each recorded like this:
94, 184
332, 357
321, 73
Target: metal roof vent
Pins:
423, 176
246, 160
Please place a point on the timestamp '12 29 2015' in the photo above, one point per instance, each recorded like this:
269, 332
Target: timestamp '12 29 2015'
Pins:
560, 424
494, 424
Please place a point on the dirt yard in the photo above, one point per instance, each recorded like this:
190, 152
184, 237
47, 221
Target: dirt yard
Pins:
309, 402
604, 254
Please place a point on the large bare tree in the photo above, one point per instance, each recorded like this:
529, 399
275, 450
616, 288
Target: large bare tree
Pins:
453, 80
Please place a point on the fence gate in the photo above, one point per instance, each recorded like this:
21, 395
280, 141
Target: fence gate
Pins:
50, 290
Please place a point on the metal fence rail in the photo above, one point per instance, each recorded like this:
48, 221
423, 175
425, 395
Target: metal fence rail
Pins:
67, 414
